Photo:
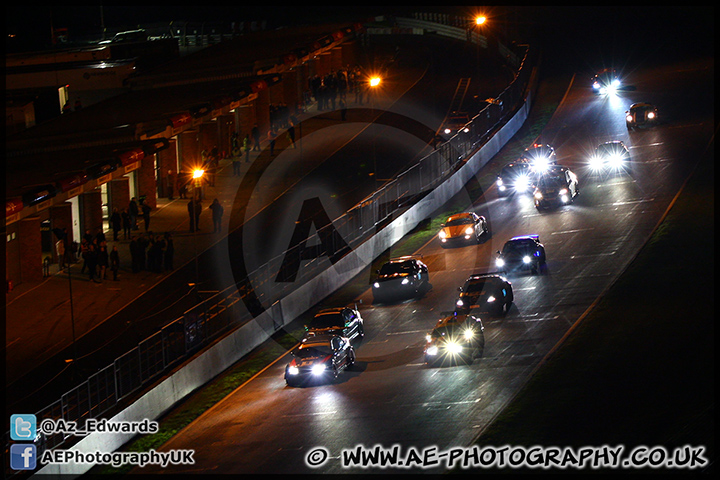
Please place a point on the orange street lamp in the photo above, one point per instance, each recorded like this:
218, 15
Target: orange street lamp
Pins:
375, 81
479, 20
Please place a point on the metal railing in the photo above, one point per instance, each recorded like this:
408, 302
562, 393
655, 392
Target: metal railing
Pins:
225, 310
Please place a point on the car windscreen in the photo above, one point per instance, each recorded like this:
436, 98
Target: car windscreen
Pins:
449, 332
518, 247
392, 268
327, 321
476, 286
460, 221
313, 350
546, 182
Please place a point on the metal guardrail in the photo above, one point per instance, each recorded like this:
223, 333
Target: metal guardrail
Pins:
184, 336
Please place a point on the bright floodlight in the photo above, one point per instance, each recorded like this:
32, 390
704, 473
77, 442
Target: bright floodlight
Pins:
480, 20
374, 81
198, 173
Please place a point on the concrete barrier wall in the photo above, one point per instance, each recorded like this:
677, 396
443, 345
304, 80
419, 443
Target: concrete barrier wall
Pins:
230, 349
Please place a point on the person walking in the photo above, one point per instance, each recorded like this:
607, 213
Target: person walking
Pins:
271, 139
84, 254
217, 213
236, 157
146, 214
116, 222
169, 251
60, 250
92, 255
115, 262
134, 213
256, 137
125, 223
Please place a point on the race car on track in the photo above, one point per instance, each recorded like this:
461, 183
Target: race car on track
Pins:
516, 177
540, 157
462, 228
455, 338
606, 82
522, 253
641, 115
556, 186
401, 278
344, 321
319, 359
610, 157
485, 293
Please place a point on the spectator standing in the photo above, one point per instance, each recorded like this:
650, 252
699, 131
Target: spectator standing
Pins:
116, 222
125, 223
191, 214
246, 147
146, 214
115, 262
169, 251
256, 137
60, 250
217, 213
142, 251
102, 262
198, 210
236, 157
134, 212
291, 133
84, 245
92, 256
135, 254
271, 139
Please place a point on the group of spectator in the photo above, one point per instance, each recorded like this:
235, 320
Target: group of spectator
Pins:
152, 253
96, 258
333, 87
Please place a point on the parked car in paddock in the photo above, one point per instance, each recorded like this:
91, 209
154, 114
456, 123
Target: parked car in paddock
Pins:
401, 278
462, 228
485, 293
318, 359
606, 82
523, 252
555, 187
455, 338
344, 321
641, 115
516, 177
610, 157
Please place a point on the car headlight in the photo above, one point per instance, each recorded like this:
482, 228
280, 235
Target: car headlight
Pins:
596, 162
318, 369
500, 262
629, 118
442, 234
468, 334
563, 191
522, 183
596, 85
454, 347
499, 182
615, 83
376, 285
527, 259
459, 303
428, 338
538, 196
293, 370
491, 299
651, 115
448, 131
405, 281
615, 160
469, 231
432, 350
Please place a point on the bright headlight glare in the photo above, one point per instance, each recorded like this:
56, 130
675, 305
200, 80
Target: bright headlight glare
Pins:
500, 262
442, 234
454, 347
469, 231
376, 285
616, 83
428, 338
459, 303
405, 281
538, 195
615, 160
526, 259
432, 350
630, 119
468, 334
318, 369
293, 370
563, 191
499, 182
491, 299
651, 115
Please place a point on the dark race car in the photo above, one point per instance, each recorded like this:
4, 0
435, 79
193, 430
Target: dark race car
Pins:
606, 82
456, 338
641, 115
400, 278
344, 321
611, 157
462, 228
516, 177
485, 293
557, 186
522, 253
319, 359
540, 157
